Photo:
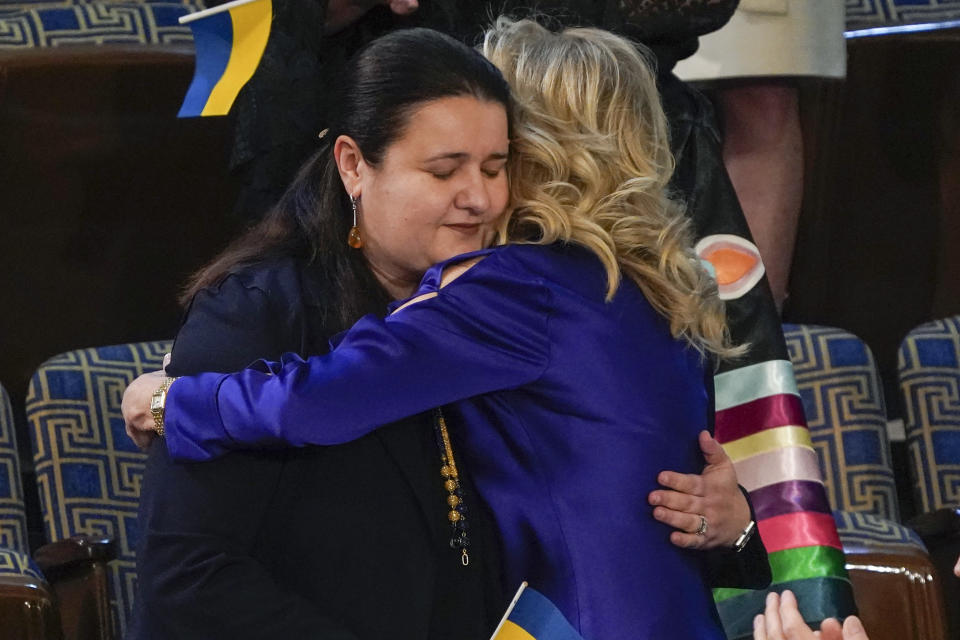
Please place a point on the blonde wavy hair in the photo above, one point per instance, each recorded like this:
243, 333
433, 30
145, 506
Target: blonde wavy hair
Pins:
590, 162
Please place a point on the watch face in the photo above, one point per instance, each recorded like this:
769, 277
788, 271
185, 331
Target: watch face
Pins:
156, 401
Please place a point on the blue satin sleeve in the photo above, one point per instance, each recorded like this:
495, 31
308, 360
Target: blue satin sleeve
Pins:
486, 331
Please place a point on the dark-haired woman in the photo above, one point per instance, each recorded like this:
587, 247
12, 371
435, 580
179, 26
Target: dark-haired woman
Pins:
444, 175
348, 542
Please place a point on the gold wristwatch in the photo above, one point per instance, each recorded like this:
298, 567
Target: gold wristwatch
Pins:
157, 404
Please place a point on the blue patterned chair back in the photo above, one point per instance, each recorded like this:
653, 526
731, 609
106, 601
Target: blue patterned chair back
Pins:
13, 517
88, 470
929, 367
841, 393
30, 24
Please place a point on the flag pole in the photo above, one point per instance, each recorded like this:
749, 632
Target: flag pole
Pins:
513, 603
198, 15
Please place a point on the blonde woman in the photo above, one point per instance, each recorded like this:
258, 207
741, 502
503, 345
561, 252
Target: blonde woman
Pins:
575, 356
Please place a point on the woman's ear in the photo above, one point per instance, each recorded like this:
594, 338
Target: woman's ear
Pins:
350, 163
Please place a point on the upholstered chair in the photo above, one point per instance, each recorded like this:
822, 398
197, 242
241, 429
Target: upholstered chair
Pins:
897, 591
88, 475
26, 603
929, 370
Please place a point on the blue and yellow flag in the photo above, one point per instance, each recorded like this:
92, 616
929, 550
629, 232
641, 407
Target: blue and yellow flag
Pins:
230, 40
531, 616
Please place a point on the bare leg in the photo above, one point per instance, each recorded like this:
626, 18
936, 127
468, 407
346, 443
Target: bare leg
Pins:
763, 153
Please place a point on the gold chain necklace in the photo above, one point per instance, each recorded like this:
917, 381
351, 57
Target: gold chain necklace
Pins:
451, 482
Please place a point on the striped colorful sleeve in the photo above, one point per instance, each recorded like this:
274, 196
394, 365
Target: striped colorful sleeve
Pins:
760, 423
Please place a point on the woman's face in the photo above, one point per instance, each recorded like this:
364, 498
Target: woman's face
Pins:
439, 190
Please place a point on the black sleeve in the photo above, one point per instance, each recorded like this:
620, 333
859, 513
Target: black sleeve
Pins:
748, 569
199, 523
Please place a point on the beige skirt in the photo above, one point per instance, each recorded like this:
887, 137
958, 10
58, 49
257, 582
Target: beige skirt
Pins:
773, 38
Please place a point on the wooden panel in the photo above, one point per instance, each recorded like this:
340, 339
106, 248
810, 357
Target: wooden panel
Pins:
876, 250
108, 201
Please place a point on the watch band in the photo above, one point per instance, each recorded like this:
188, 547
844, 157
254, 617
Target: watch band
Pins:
158, 405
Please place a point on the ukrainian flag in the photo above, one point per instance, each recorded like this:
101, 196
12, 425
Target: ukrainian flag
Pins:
531, 616
230, 40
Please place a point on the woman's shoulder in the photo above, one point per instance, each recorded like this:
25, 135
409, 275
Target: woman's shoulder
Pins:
255, 311
282, 281
555, 262
563, 268
519, 263
266, 291
268, 275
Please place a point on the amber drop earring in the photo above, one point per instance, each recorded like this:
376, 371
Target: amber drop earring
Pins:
353, 238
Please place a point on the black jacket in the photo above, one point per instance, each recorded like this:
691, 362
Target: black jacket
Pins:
347, 542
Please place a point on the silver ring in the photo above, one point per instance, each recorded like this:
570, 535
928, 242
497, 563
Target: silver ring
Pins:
703, 527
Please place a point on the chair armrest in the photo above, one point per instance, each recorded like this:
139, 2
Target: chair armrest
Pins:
27, 608
940, 531
898, 593
63, 555
77, 570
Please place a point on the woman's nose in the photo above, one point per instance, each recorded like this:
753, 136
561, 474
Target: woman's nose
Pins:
475, 194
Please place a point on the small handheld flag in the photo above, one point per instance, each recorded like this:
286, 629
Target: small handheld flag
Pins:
531, 616
230, 40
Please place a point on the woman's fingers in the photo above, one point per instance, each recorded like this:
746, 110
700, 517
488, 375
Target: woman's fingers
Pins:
830, 630
713, 494
687, 540
687, 522
781, 620
135, 407
771, 617
759, 627
794, 627
712, 451
141, 438
683, 482
853, 629
682, 512
676, 501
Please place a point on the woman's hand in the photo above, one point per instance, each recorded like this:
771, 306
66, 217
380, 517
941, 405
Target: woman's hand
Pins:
714, 494
136, 408
342, 13
782, 621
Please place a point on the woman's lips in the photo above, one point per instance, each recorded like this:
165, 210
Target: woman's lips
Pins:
467, 228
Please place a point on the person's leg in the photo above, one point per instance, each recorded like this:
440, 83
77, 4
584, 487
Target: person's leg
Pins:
763, 153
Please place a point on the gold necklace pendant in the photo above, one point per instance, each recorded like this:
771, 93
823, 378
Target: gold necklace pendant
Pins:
451, 483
